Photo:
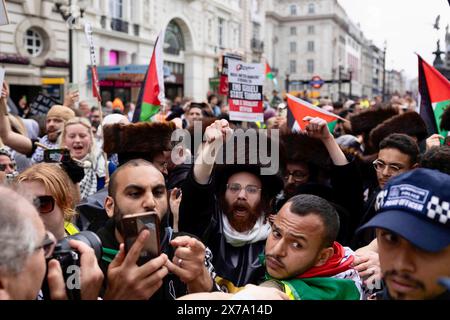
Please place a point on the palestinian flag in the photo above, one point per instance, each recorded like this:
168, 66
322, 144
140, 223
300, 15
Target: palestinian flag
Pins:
301, 109
434, 96
151, 95
269, 74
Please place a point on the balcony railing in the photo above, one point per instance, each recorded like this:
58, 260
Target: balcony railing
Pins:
119, 25
257, 45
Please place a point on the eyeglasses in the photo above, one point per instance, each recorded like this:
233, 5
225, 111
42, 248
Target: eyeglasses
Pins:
48, 244
297, 175
236, 187
44, 204
380, 166
11, 166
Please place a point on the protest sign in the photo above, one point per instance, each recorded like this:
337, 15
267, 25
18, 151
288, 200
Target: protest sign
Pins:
245, 94
223, 85
41, 105
3, 13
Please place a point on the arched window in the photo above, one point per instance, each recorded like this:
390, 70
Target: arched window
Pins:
173, 39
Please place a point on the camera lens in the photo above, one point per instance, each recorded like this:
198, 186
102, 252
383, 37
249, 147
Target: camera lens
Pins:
91, 239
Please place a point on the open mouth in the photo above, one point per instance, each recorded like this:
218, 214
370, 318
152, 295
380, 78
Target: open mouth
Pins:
78, 148
240, 211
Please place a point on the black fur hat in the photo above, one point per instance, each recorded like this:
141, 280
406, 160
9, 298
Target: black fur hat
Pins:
409, 123
137, 140
246, 157
365, 121
298, 147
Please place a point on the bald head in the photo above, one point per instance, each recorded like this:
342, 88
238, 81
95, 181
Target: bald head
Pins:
112, 187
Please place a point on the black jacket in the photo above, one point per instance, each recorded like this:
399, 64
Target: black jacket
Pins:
201, 215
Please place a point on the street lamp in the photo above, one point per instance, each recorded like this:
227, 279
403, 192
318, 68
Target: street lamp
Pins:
70, 13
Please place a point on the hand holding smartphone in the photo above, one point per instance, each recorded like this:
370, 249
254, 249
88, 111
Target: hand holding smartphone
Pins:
132, 225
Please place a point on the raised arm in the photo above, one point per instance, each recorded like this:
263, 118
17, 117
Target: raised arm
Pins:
215, 135
318, 128
14, 140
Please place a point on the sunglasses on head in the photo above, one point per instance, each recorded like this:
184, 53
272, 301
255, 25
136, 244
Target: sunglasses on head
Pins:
44, 204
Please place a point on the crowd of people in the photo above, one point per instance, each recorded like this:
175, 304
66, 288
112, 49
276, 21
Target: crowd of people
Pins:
357, 210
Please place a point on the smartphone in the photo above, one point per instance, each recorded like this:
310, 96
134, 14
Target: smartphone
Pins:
56, 155
133, 224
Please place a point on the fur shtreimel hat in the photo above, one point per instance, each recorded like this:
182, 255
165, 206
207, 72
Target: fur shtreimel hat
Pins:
364, 122
445, 120
298, 147
246, 156
409, 123
137, 140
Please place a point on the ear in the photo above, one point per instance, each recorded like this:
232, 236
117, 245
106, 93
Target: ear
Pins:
4, 295
109, 206
416, 165
324, 255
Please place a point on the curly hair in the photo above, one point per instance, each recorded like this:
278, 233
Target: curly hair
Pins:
437, 158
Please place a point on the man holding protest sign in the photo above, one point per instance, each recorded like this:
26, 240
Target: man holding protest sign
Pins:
56, 117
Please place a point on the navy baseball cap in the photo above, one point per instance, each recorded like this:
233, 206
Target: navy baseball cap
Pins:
416, 206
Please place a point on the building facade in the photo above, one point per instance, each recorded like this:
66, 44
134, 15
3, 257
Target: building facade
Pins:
197, 32
34, 49
307, 38
298, 38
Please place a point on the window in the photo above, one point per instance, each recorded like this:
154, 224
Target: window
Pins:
256, 30
221, 32
293, 31
293, 9
293, 47
311, 30
173, 39
311, 8
293, 66
310, 66
33, 42
116, 8
310, 46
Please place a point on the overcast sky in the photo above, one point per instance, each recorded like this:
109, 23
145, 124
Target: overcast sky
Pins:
406, 25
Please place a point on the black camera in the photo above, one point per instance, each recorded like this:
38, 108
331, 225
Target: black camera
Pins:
69, 259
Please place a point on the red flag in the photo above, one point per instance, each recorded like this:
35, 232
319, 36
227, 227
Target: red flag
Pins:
434, 90
152, 95
301, 109
95, 86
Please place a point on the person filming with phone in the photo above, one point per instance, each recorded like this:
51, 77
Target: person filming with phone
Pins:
138, 265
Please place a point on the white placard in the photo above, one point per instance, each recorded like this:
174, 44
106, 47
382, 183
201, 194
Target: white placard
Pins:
245, 91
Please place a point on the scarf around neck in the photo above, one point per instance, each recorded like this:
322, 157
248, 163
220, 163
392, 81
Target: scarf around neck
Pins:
260, 231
